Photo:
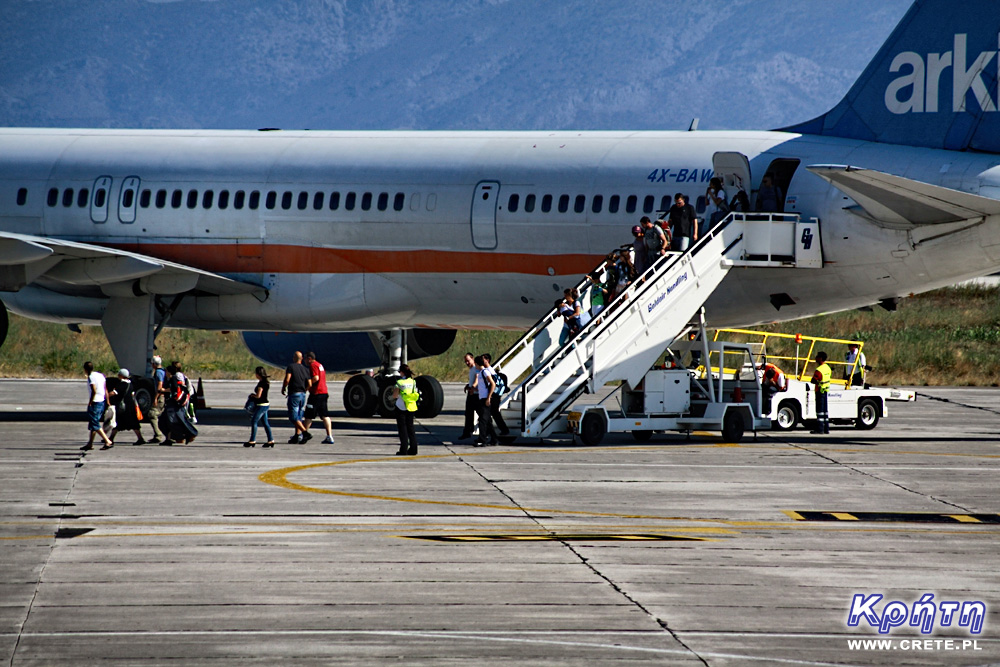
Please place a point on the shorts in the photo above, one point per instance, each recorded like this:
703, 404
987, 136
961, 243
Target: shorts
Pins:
95, 412
317, 407
296, 402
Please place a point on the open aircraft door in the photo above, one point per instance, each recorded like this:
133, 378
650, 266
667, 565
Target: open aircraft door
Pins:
484, 215
734, 170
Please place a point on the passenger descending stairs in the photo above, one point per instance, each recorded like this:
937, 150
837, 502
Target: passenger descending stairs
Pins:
625, 340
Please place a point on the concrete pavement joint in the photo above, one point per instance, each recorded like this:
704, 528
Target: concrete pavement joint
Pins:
583, 560
876, 477
963, 405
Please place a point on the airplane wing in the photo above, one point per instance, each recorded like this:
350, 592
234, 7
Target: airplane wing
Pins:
904, 202
79, 266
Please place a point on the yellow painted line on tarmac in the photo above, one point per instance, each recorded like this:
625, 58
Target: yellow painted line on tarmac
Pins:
280, 479
50, 536
843, 516
964, 518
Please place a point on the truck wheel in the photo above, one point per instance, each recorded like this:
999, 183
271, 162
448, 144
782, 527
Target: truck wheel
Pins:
787, 416
592, 429
868, 414
642, 436
360, 395
732, 426
431, 397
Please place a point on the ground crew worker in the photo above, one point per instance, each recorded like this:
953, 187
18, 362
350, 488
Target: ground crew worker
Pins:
821, 380
773, 382
406, 395
857, 379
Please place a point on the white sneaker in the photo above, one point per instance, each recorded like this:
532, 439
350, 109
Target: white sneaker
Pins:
328, 440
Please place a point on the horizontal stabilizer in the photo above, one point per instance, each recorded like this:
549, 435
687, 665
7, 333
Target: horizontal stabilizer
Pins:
85, 264
903, 202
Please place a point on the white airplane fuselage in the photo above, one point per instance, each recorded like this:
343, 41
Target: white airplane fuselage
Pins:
416, 248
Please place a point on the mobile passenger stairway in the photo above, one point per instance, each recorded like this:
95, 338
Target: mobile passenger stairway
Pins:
628, 336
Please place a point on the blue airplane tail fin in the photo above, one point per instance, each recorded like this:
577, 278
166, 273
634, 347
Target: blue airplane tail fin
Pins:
933, 83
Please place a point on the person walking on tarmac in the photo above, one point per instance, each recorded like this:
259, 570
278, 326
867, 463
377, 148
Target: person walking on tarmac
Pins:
471, 397
492, 395
318, 399
821, 380
159, 398
406, 395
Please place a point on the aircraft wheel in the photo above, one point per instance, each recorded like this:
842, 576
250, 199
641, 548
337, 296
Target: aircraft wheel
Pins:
385, 404
360, 396
732, 426
642, 436
592, 429
431, 399
868, 414
143, 393
787, 416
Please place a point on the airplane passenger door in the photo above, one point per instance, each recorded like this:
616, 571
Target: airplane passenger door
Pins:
128, 199
99, 200
484, 215
734, 170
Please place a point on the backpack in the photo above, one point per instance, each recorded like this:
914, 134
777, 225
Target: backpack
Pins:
501, 383
652, 239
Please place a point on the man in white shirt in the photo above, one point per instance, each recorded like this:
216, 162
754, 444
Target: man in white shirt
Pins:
471, 397
98, 386
857, 373
487, 436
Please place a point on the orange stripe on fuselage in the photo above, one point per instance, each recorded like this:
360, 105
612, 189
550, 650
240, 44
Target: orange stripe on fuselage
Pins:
266, 258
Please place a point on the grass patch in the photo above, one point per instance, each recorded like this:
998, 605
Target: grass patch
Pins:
946, 337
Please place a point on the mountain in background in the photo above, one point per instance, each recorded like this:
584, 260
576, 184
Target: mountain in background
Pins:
433, 64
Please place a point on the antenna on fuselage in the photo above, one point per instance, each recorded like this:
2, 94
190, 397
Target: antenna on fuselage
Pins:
694, 125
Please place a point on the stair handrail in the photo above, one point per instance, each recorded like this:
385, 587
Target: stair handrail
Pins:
584, 287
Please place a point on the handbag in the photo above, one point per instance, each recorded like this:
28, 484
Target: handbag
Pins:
250, 406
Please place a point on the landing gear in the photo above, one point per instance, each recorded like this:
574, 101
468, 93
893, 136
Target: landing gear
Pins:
365, 396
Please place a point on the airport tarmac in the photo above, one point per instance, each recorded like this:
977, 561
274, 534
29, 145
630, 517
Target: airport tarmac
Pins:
675, 551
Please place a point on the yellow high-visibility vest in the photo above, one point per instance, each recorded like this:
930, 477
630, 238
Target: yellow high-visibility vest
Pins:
408, 392
825, 373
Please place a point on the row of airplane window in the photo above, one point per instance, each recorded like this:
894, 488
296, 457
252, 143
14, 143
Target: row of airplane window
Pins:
238, 199
241, 199
580, 203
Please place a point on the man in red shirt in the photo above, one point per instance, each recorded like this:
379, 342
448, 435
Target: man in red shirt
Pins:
319, 395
